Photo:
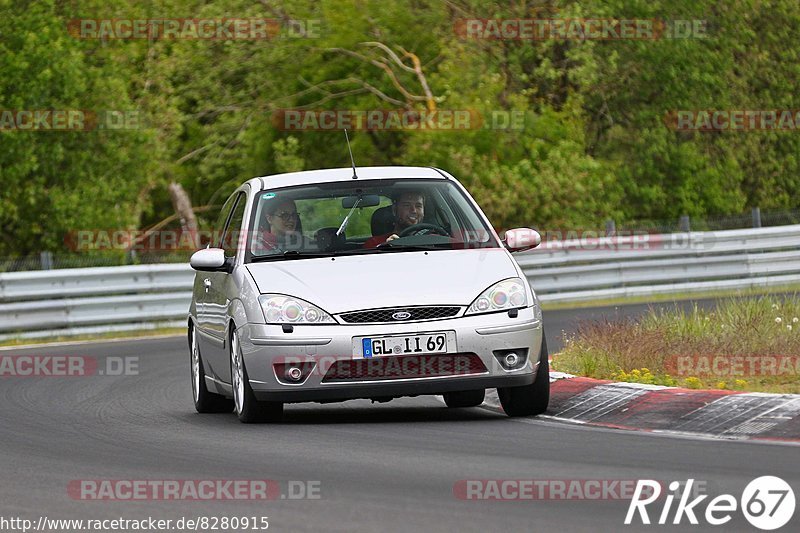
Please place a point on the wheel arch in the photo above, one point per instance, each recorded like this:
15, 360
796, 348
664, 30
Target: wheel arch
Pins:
237, 317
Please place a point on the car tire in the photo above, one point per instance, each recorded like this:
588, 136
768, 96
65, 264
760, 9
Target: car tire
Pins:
529, 400
247, 408
467, 398
204, 400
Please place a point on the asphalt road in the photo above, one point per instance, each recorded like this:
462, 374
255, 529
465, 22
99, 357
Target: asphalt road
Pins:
379, 467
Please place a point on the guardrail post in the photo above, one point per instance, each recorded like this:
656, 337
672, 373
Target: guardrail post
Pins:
46, 259
611, 228
756, 217
683, 224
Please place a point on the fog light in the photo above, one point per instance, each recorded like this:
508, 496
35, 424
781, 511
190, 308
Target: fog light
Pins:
511, 360
293, 373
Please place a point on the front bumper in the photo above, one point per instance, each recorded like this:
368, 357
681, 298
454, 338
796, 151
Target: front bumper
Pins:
320, 347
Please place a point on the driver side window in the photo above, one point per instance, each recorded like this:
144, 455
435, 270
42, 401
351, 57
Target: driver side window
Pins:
230, 241
222, 219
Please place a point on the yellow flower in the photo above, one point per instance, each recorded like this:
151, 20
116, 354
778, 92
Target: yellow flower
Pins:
692, 382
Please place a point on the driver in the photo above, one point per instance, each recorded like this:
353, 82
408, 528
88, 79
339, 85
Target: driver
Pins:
408, 209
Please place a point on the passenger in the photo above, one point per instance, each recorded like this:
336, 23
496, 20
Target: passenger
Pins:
281, 229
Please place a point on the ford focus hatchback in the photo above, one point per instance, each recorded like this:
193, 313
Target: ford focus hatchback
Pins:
384, 282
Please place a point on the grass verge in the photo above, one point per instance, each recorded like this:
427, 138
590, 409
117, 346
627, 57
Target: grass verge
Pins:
158, 332
745, 343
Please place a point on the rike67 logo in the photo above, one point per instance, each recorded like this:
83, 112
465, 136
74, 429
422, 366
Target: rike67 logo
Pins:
767, 502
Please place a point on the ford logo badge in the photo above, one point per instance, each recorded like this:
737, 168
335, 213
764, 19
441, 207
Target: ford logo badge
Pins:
401, 315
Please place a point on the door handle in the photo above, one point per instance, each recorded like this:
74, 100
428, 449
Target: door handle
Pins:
207, 284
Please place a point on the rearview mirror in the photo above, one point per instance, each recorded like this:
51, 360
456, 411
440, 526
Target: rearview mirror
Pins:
521, 239
209, 260
367, 200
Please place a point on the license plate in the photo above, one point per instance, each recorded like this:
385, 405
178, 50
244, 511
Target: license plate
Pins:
424, 343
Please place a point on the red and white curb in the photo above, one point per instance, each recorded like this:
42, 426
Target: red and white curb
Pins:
653, 408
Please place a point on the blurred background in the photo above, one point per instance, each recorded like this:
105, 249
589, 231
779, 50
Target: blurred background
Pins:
591, 145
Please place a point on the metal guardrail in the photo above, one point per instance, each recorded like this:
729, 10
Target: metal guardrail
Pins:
644, 265
91, 300
97, 281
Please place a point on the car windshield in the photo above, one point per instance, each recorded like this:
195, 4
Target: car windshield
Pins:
377, 216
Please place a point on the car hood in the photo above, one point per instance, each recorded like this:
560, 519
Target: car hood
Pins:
352, 283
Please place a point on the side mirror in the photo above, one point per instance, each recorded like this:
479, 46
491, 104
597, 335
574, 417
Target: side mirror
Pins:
521, 239
209, 260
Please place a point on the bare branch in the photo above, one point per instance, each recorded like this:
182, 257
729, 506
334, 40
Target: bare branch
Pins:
163, 222
385, 97
391, 54
331, 96
362, 57
386, 68
421, 77
328, 95
193, 153
183, 208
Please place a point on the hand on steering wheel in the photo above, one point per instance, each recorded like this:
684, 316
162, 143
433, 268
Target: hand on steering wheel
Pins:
416, 229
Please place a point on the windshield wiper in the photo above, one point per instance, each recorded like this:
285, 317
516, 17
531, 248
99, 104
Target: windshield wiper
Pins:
389, 247
289, 254
352, 209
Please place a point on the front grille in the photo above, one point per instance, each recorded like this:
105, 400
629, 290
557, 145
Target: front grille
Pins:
385, 315
404, 367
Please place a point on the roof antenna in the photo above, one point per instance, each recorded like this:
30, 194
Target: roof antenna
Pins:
353, 161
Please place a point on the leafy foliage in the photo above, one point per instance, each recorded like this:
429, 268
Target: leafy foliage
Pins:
593, 144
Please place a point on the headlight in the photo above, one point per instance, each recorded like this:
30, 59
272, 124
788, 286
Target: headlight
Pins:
506, 294
279, 309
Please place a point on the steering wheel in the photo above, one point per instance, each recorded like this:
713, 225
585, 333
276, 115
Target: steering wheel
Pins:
416, 229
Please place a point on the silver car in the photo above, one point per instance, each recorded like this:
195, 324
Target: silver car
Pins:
329, 285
